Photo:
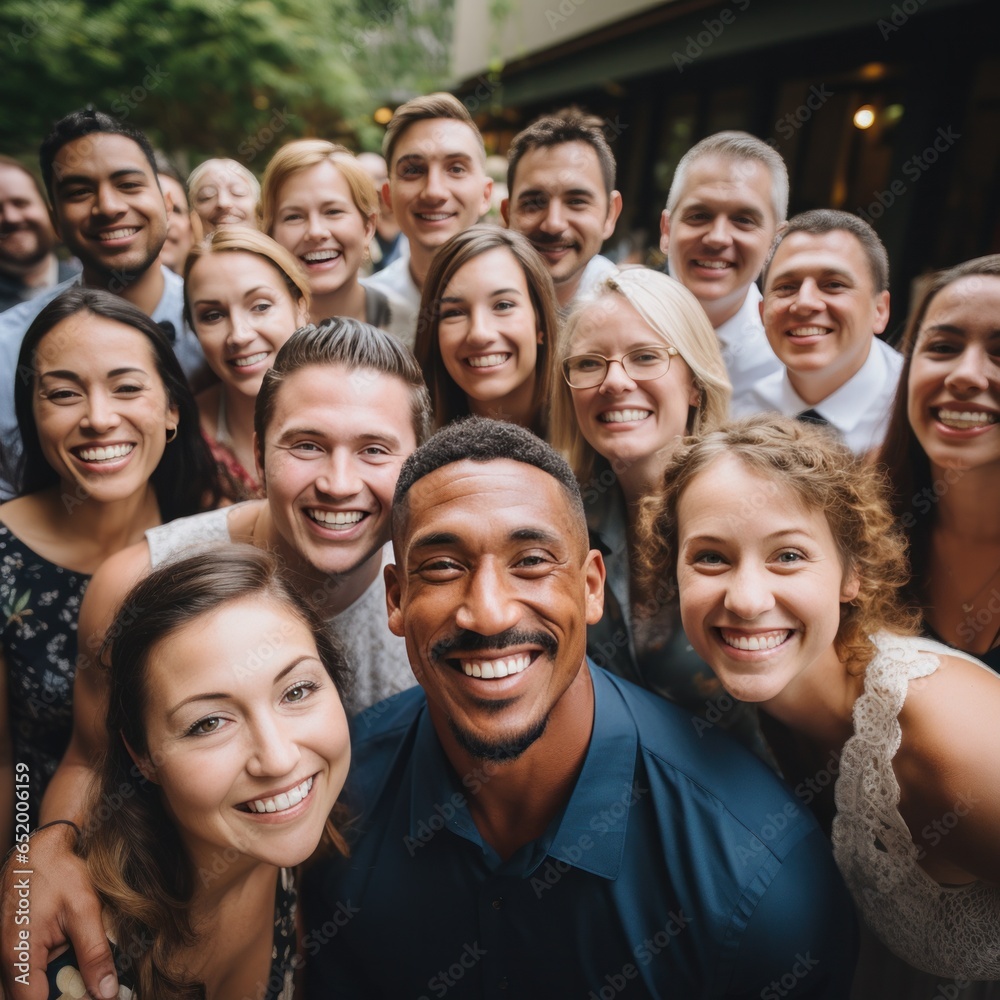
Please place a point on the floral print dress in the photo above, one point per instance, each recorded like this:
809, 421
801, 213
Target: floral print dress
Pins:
39, 607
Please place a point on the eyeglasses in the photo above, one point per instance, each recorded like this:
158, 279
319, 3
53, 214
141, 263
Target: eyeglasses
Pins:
584, 371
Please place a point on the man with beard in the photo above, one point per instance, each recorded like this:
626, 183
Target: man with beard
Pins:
28, 265
560, 179
107, 207
532, 826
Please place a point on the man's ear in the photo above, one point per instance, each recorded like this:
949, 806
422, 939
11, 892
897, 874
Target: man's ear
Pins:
614, 210
392, 599
386, 196
881, 312
505, 212
664, 231
258, 457
595, 574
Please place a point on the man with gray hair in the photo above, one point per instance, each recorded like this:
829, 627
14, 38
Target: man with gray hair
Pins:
727, 199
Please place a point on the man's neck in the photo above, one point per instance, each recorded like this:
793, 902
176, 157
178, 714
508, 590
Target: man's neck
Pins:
566, 290
419, 264
39, 274
516, 801
143, 290
814, 387
721, 311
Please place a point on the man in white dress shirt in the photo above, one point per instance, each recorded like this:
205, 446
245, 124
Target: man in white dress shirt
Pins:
437, 188
826, 299
561, 180
728, 197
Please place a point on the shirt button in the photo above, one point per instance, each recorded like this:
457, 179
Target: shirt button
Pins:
498, 903
502, 984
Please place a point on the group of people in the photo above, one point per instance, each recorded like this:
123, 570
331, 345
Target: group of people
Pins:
542, 528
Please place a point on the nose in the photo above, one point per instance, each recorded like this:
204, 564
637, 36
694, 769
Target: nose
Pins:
489, 604
970, 371
616, 379
554, 220
435, 188
274, 751
338, 477
807, 297
109, 201
315, 226
241, 331
480, 331
101, 415
748, 595
719, 234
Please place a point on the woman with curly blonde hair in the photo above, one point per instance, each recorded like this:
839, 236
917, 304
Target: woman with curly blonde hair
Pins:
788, 564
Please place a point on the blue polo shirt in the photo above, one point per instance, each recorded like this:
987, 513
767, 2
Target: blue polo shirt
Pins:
680, 867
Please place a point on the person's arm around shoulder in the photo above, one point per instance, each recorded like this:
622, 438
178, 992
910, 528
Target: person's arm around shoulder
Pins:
947, 771
63, 903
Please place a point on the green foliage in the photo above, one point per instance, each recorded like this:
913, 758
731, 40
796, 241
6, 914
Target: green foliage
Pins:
218, 77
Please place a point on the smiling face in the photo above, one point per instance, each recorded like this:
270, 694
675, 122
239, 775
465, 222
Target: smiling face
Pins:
488, 333
761, 581
493, 595
108, 207
820, 310
100, 407
223, 197
629, 421
560, 203
333, 450
317, 220
246, 734
953, 393
718, 233
242, 312
437, 182
26, 235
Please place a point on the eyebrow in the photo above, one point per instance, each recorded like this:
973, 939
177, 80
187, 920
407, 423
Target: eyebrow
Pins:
960, 331
89, 178
774, 536
73, 376
387, 439
423, 157
225, 696
247, 294
434, 539
498, 291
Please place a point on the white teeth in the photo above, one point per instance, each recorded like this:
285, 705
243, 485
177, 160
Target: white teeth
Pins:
251, 359
764, 640
118, 234
433, 216
104, 454
623, 416
317, 255
715, 265
337, 517
489, 669
808, 331
487, 360
283, 801
965, 419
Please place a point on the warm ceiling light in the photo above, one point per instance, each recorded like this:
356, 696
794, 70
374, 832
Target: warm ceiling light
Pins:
383, 116
864, 117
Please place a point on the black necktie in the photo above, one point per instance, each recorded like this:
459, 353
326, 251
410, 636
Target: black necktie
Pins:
812, 417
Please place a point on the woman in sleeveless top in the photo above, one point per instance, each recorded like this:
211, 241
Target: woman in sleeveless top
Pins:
111, 447
788, 565
231, 747
942, 454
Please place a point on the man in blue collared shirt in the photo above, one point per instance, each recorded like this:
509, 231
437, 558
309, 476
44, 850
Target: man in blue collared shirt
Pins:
529, 825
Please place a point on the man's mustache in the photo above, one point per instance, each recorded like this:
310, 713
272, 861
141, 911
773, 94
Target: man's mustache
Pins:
473, 642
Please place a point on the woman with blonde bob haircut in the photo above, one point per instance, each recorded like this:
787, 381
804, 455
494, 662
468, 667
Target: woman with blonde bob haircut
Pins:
223, 193
321, 205
637, 368
244, 296
487, 319
789, 565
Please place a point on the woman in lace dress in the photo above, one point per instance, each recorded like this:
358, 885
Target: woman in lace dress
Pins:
942, 452
111, 447
788, 565
244, 296
231, 749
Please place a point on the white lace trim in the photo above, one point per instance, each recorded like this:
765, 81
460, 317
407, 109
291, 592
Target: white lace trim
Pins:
946, 931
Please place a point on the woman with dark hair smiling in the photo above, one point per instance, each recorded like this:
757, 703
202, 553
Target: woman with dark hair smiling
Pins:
111, 447
942, 454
